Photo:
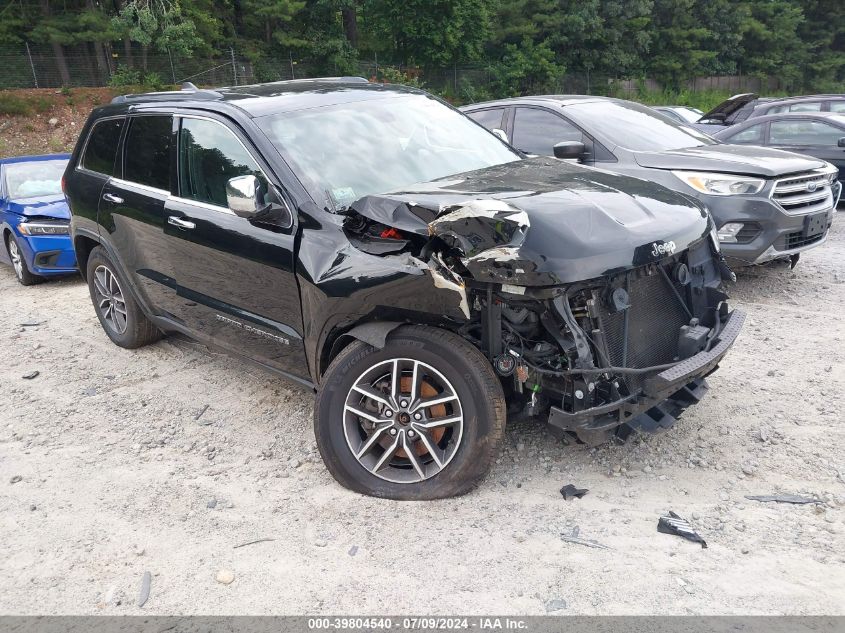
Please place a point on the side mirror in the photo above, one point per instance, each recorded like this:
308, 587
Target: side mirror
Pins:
841, 142
501, 134
244, 196
569, 150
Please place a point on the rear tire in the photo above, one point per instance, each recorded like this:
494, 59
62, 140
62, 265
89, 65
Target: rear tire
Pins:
22, 272
406, 446
119, 314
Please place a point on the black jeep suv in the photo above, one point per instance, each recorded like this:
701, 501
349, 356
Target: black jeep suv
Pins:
282, 222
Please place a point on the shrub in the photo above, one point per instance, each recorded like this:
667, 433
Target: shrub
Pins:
390, 75
13, 105
125, 76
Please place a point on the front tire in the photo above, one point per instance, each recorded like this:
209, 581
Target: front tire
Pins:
421, 418
118, 312
24, 275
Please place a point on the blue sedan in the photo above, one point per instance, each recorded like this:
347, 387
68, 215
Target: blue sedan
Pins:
34, 217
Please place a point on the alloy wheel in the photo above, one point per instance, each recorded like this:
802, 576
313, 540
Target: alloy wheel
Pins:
110, 301
403, 420
15, 256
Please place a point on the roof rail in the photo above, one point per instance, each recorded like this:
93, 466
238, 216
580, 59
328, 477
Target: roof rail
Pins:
188, 90
322, 80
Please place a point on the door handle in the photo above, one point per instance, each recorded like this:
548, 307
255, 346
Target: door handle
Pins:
110, 197
180, 223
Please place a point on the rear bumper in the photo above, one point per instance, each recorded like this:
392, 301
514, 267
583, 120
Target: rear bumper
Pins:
664, 394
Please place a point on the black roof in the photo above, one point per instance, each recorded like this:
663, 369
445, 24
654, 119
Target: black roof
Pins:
270, 98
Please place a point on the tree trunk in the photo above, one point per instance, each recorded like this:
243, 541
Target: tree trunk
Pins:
58, 51
127, 52
268, 31
350, 25
239, 17
103, 66
144, 50
61, 63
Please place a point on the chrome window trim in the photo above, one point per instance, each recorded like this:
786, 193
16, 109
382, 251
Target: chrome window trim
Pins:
201, 205
138, 185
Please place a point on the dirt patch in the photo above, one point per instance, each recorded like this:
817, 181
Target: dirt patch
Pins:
114, 463
46, 121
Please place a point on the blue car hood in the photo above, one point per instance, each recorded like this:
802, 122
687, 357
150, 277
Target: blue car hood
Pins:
53, 206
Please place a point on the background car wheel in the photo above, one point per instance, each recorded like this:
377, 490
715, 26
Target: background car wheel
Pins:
22, 272
422, 418
118, 312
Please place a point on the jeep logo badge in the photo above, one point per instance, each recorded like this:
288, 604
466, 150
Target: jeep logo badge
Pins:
666, 248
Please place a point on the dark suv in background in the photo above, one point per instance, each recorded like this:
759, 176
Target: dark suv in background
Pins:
746, 106
767, 204
282, 223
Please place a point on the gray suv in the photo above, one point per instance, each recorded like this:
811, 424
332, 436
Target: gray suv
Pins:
767, 204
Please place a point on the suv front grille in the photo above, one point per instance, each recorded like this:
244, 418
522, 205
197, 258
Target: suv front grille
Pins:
654, 321
804, 193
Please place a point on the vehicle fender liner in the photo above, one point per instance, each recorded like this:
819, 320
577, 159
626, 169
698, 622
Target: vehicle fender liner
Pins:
374, 333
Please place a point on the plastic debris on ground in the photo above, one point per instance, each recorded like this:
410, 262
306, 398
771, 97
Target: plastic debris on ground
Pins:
673, 524
571, 492
782, 499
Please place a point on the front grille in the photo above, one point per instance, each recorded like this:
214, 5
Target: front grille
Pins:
654, 320
797, 239
803, 193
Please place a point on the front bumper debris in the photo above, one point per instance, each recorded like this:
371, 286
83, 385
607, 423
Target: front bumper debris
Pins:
661, 398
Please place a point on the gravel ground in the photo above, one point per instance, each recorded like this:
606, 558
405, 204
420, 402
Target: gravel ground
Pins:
114, 463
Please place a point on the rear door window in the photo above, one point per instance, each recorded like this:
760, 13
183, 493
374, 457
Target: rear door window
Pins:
491, 119
804, 132
101, 148
146, 158
209, 156
537, 131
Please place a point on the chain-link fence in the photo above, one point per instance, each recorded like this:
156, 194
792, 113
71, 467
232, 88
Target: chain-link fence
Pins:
29, 65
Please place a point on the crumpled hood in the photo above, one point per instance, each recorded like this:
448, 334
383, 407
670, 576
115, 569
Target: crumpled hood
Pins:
732, 159
542, 221
53, 206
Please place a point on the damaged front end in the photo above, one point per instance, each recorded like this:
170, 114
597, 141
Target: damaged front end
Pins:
595, 334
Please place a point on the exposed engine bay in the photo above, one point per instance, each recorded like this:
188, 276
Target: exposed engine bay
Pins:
589, 333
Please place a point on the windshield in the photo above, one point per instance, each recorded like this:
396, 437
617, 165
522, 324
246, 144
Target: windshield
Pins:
635, 127
40, 178
350, 150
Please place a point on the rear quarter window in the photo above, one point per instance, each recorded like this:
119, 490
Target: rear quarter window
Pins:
101, 148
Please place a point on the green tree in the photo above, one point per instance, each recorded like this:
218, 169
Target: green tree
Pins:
157, 23
771, 44
527, 68
823, 32
429, 32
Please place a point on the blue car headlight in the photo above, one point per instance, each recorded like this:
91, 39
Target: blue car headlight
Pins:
41, 227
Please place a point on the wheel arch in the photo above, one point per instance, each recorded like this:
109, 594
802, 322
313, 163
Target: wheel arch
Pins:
83, 244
